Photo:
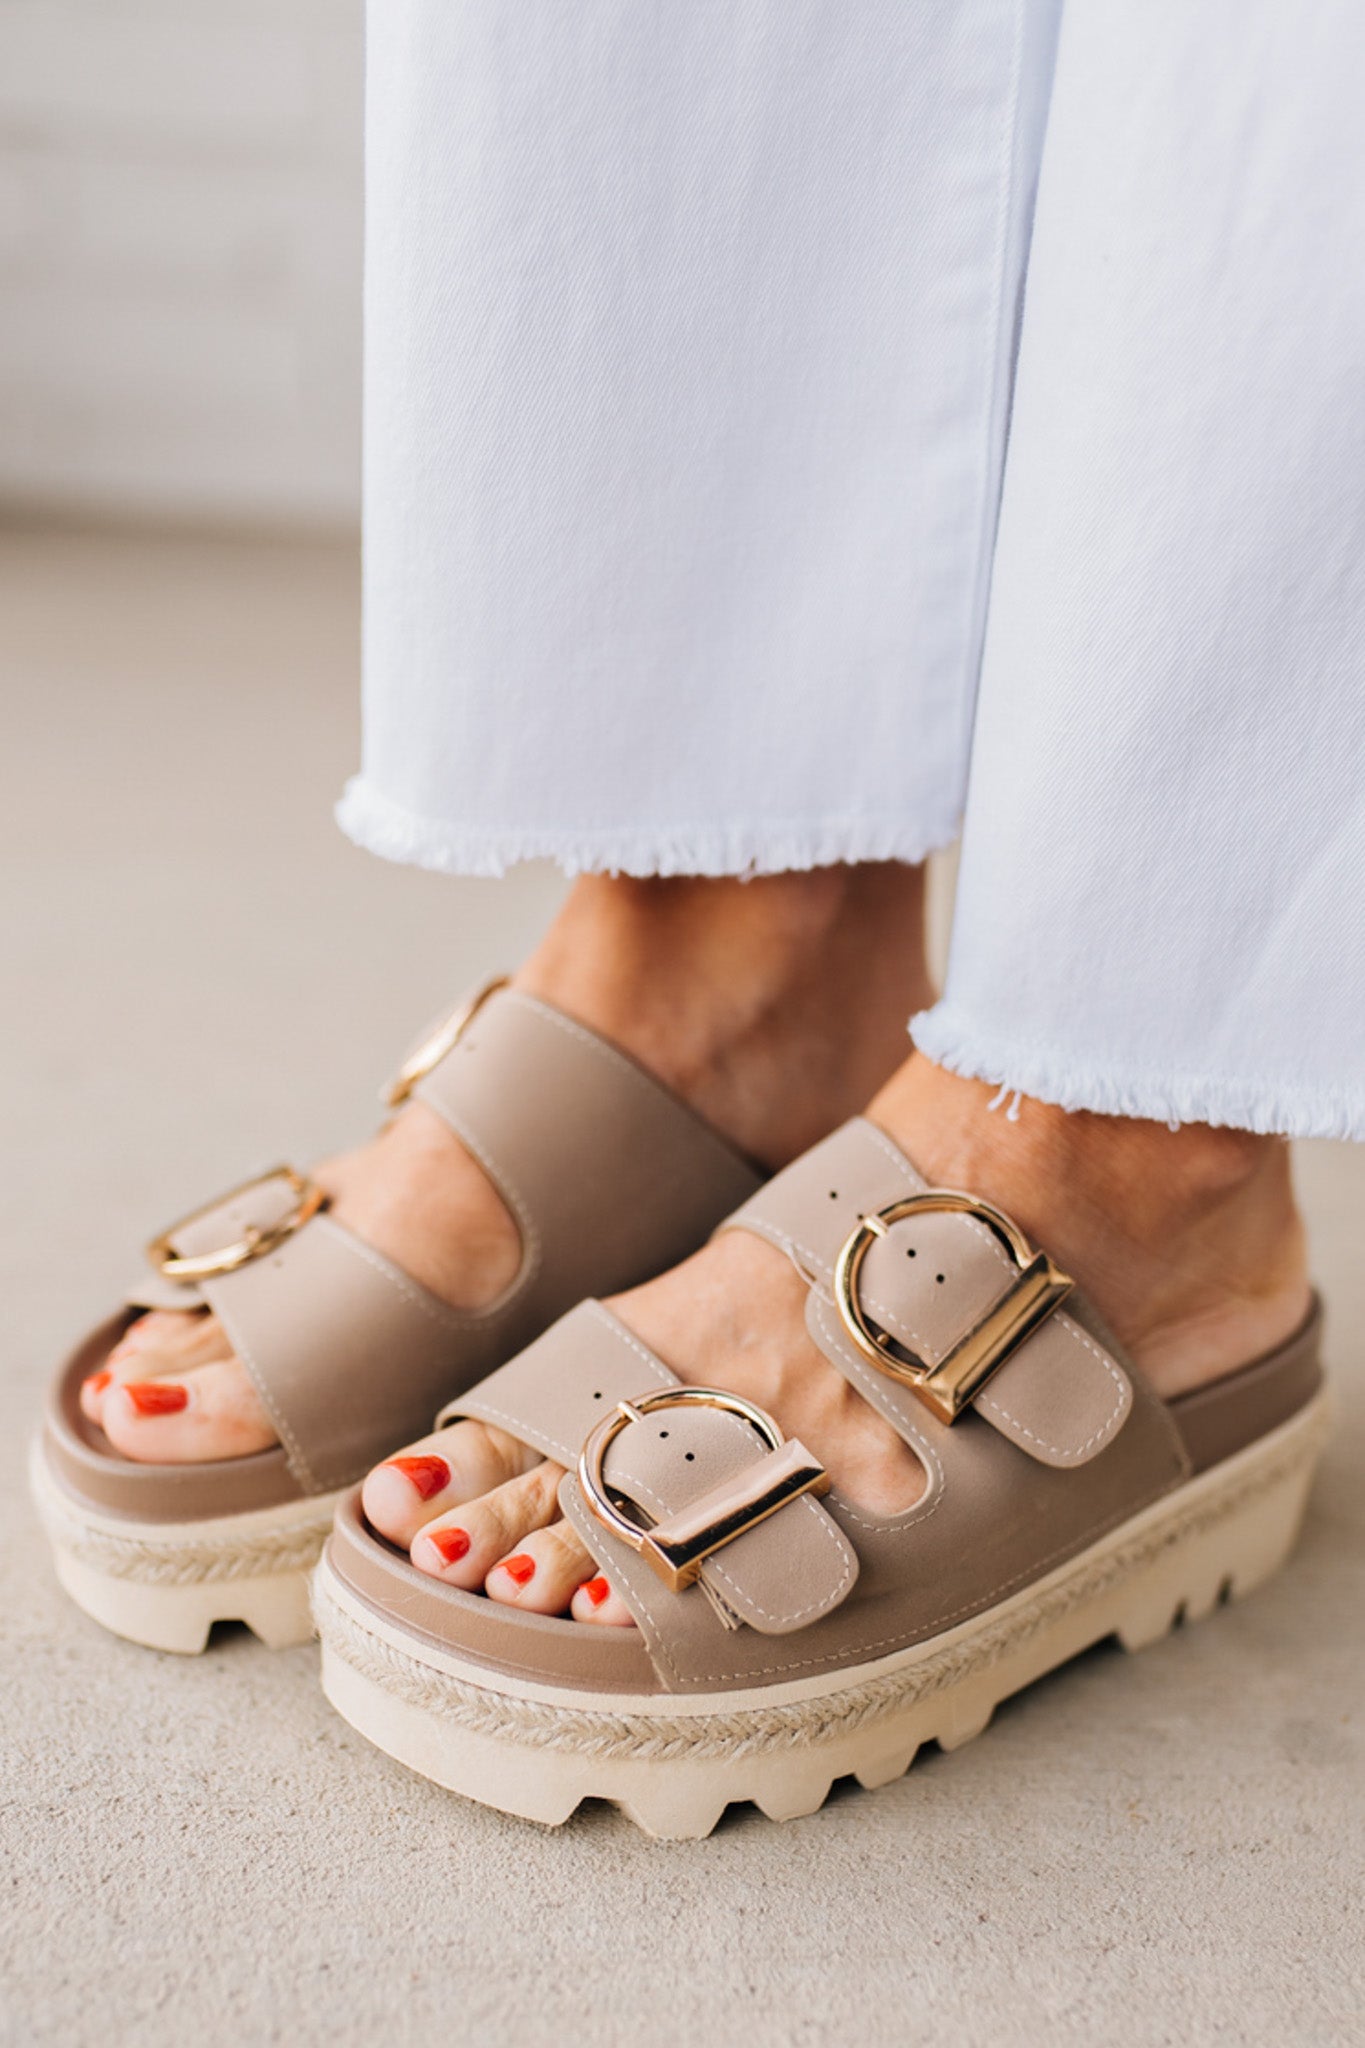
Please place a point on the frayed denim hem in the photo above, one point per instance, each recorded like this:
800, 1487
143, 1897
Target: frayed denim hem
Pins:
1290, 1110
379, 825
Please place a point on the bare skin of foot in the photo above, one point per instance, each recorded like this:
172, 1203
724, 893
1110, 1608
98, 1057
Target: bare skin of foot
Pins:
1188, 1241
731, 992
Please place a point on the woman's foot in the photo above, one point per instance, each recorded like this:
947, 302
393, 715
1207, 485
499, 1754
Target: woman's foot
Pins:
729, 992
1188, 1241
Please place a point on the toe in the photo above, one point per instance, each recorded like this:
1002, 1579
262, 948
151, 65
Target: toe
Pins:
463, 1546
93, 1391
210, 1412
174, 1340
154, 1344
544, 1571
418, 1484
598, 1601
165, 1341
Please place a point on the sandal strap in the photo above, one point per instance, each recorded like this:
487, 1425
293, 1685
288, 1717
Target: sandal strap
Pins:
585, 1147
1064, 1442
609, 1176
675, 1465
927, 1280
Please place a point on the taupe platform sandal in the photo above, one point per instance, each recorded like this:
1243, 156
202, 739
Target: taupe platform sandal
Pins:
610, 1178
786, 1639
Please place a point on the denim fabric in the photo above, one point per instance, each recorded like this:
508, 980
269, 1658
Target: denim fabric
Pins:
688, 332
1161, 904
699, 474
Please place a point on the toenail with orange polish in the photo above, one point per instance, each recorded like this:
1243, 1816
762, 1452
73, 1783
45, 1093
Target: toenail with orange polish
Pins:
450, 1545
97, 1382
428, 1475
520, 1569
156, 1397
597, 1591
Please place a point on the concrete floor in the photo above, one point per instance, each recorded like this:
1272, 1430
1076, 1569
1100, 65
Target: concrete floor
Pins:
203, 977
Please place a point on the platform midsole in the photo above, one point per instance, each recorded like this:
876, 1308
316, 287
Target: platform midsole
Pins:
261, 1541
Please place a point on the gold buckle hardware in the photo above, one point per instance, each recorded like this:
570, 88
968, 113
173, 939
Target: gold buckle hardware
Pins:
948, 1387
257, 1240
433, 1050
676, 1548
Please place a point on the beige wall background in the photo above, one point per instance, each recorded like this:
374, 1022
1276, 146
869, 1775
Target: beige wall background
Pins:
180, 238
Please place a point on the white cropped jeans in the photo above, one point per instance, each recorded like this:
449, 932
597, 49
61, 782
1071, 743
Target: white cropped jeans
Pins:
795, 424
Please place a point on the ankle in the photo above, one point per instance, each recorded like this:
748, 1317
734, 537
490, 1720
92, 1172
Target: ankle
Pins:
774, 1005
1188, 1241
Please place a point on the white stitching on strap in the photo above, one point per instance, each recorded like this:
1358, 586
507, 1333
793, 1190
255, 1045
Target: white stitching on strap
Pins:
435, 1311
892, 1152
928, 1504
827, 1530
628, 1069
503, 1186
1071, 1452
939, 1622
832, 1535
618, 1330
518, 1426
303, 1471
784, 1242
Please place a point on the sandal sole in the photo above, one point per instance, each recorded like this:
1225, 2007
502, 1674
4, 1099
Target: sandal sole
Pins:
165, 1584
673, 1764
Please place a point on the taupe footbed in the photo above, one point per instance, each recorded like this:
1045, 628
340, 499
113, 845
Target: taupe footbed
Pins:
1064, 1454
610, 1178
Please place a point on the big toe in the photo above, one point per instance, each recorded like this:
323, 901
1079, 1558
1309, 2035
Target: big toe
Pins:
188, 1418
420, 1482
163, 1341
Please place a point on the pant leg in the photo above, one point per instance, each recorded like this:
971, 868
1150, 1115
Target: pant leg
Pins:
1161, 907
689, 333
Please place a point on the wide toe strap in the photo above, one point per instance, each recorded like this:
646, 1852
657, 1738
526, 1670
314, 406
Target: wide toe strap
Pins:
672, 1487
907, 1299
608, 1176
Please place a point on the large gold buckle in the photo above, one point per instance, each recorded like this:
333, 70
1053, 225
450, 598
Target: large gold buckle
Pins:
257, 1240
433, 1050
676, 1548
948, 1387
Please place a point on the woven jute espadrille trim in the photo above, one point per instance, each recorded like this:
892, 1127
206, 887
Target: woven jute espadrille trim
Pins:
289, 1545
